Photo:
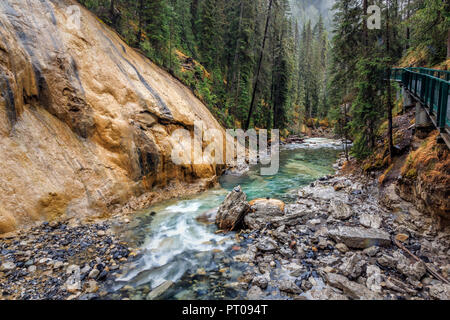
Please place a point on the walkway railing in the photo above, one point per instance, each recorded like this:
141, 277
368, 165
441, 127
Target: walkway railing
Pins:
431, 87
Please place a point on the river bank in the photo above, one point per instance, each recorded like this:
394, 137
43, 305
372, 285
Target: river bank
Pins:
332, 240
60, 261
337, 242
167, 236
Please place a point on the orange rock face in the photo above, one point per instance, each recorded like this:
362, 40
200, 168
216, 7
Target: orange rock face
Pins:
85, 120
274, 202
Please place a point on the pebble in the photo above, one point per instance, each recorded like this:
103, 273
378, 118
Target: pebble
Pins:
371, 251
31, 269
7, 266
94, 273
36, 264
314, 222
201, 271
92, 286
85, 269
401, 237
342, 247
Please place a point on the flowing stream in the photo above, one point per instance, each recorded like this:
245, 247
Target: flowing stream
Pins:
179, 248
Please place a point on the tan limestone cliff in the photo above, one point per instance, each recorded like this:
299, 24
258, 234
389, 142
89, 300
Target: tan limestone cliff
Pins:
85, 120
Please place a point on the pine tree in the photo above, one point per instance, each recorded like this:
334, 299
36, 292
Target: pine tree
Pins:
157, 28
210, 28
269, 12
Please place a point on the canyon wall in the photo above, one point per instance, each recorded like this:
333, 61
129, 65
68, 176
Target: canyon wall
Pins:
85, 120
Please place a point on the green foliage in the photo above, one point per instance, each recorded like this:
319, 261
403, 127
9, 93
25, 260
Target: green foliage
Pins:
430, 25
367, 109
213, 46
361, 57
225, 37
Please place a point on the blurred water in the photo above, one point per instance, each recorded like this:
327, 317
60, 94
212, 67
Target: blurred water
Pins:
176, 246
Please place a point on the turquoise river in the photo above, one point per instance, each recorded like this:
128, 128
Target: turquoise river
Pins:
190, 255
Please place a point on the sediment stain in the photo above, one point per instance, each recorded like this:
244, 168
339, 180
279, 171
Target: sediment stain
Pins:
8, 96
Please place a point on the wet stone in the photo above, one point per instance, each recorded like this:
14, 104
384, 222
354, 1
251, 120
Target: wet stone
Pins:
340, 210
360, 238
160, 290
267, 244
342, 247
48, 259
233, 210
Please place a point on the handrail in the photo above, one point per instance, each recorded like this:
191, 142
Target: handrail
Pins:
443, 74
431, 87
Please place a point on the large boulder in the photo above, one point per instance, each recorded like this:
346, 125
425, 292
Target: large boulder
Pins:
360, 238
263, 211
319, 193
232, 210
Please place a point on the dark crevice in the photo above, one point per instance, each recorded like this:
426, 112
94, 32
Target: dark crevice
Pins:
8, 96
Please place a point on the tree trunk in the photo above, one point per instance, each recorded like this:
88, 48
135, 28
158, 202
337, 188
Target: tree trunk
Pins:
408, 30
139, 35
389, 96
112, 14
247, 124
194, 12
170, 44
366, 35
344, 131
236, 52
448, 44
272, 84
277, 88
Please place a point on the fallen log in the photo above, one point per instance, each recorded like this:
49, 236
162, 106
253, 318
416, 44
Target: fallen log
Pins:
428, 267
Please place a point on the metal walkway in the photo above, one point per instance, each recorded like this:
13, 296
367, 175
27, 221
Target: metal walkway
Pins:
431, 88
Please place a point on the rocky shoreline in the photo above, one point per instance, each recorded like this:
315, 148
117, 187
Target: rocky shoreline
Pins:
59, 261
337, 242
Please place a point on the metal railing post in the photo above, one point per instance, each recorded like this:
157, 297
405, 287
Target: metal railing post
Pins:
443, 112
433, 94
433, 90
439, 105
